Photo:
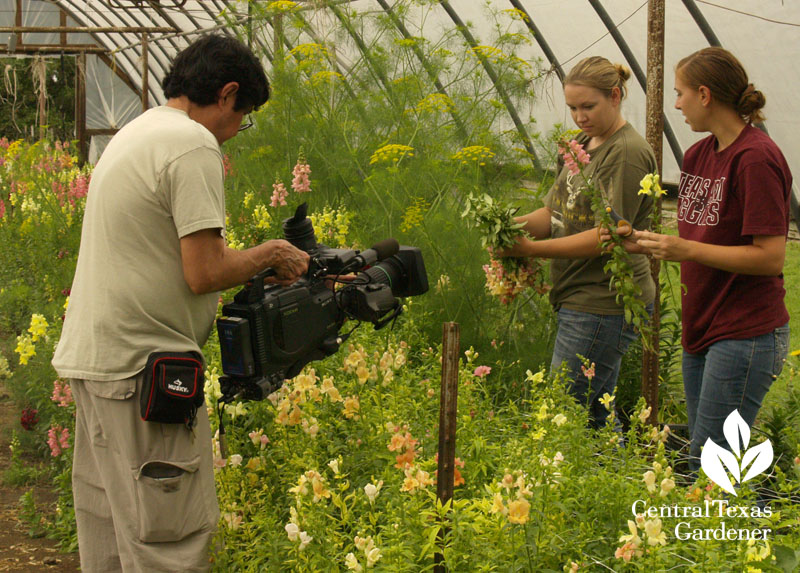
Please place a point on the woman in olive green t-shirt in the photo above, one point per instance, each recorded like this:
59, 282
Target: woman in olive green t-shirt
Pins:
591, 323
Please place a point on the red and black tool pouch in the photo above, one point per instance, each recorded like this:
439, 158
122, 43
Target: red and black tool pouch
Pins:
173, 387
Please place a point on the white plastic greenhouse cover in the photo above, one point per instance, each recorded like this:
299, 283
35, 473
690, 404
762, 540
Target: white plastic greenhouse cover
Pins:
764, 35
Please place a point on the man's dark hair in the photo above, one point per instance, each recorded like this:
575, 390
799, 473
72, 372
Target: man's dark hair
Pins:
203, 68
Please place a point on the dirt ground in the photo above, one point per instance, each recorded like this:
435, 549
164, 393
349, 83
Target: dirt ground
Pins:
18, 551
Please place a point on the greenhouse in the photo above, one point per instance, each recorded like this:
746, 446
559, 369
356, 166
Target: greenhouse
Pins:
517, 324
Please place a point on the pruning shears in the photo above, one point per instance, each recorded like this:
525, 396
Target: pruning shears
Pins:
619, 220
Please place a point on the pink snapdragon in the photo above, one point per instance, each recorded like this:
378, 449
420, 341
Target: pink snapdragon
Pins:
507, 277
79, 187
482, 371
301, 182
59, 190
279, 194
574, 155
626, 552
58, 440
258, 438
227, 165
62, 393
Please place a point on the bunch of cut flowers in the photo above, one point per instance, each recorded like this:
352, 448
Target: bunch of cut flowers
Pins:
506, 277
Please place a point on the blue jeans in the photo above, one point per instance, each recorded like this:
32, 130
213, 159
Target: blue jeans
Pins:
729, 375
600, 338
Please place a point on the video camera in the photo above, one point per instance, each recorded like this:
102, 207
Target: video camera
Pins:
269, 332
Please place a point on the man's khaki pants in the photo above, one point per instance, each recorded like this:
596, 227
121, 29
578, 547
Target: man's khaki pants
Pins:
144, 492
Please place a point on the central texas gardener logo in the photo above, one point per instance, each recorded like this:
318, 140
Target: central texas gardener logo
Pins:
715, 460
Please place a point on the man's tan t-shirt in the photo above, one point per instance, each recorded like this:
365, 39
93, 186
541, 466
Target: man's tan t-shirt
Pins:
159, 179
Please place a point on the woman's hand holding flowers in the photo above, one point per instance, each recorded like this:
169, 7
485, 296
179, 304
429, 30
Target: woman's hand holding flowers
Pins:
663, 247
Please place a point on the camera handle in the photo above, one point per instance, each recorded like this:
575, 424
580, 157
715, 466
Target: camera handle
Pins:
255, 285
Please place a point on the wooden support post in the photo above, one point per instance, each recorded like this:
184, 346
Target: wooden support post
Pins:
145, 76
277, 40
654, 136
40, 79
80, 108
18, 23
448, 410
62, 21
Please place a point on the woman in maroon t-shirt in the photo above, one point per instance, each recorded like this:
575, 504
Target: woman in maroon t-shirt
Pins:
733, 218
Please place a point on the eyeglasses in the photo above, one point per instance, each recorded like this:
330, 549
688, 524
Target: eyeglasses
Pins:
247, 124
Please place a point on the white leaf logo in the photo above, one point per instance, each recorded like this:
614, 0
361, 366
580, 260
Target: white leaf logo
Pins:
711, 460
761, 457
715, 460
735, 428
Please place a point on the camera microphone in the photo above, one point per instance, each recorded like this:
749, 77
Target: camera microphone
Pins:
378, 252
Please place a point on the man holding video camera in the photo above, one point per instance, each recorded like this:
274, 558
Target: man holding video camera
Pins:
152, 260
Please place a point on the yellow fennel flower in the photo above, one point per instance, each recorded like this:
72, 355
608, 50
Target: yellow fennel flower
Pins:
391, 154
414, 214
478, 153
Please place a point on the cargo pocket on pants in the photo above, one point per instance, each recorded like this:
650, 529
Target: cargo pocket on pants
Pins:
170, 500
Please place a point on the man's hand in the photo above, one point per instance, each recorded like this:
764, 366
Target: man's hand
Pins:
288, 262
209, 265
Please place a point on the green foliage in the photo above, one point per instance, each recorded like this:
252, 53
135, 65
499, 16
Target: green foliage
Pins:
18, 472
496, 223
540, 491
400, 159
19, 100
671, 407
335, 471
42, 193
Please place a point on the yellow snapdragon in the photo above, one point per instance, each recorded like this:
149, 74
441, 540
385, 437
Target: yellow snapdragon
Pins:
38, 327
262, 217
650, 185
25, 348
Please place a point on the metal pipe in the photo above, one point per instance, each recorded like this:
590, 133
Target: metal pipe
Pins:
487, 66
86, 29
52, 49
677, 152
540, 39
434, 77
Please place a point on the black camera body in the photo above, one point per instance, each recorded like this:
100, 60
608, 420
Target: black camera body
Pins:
269, 332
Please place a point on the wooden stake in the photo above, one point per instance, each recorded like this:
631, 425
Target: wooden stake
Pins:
448, 410
654, 136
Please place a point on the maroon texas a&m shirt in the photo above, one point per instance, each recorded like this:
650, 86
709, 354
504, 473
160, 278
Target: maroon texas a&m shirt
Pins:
725, 198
